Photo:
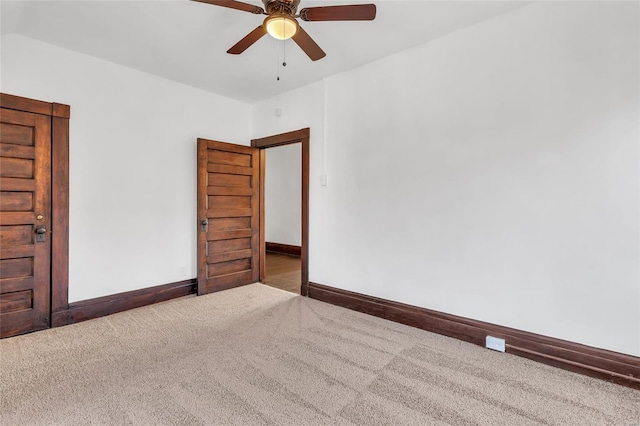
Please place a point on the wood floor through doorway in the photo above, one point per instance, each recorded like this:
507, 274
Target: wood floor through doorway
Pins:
283, 272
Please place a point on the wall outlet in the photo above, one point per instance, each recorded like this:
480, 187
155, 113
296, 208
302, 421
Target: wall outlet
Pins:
495, 344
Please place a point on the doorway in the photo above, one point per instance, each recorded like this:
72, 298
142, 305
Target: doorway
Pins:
285, 265
283, 201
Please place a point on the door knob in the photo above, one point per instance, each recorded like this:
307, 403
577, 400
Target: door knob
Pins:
41, 233
204, 224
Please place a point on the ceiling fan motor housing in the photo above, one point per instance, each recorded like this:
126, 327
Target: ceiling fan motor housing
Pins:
281, 6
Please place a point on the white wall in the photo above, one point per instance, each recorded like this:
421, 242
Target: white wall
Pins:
283, 194
492, 173
132, 159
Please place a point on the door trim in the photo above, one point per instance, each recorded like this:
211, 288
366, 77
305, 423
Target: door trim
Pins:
297, 136
60, 115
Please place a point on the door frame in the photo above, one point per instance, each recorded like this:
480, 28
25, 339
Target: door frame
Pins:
288, 138
60, 114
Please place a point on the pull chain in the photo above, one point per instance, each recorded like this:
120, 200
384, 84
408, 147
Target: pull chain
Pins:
284, 51
284, 47
277, 66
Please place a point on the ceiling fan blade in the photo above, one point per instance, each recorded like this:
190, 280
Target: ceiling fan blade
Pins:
307, 44
232, 4
354, 12
247, 41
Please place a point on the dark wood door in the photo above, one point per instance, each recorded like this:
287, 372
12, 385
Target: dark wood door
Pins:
25, 209
228, 216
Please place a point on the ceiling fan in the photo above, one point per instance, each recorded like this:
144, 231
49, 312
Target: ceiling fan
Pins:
281, 21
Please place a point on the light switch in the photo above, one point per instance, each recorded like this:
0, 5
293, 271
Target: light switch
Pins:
323, 180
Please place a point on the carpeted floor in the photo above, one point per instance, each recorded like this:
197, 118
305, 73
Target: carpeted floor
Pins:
261, 356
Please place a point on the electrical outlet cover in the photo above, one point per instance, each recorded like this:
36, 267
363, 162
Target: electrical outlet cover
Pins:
495, 343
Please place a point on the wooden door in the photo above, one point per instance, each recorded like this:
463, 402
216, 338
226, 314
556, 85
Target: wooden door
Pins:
228, 216
25, 210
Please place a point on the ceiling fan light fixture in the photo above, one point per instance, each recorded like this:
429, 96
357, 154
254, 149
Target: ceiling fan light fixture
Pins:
281, 26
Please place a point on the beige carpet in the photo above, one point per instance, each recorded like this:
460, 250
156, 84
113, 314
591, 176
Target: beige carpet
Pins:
257, 355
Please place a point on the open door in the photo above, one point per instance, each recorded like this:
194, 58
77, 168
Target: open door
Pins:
228, 216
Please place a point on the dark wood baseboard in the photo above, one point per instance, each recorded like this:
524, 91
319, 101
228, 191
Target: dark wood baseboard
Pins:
283, 249
107, 305
600, 363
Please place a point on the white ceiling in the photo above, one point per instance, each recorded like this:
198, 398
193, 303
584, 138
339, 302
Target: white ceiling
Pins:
186, 41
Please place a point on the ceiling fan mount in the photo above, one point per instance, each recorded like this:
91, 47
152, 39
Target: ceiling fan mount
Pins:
281, 6
282, 24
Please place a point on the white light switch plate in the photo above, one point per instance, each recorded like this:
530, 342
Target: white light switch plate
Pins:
323, 180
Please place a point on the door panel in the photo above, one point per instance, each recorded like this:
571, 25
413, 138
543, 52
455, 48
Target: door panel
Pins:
227, 180
228, 201
25, 206
16, 201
